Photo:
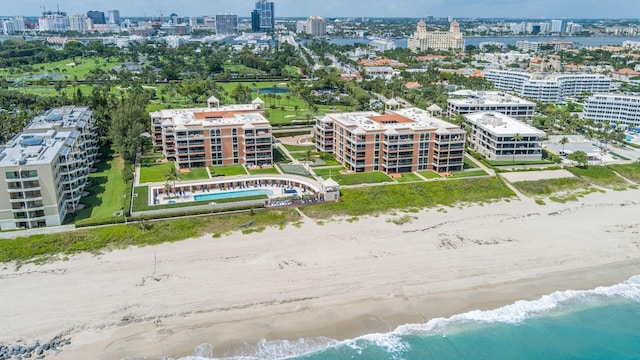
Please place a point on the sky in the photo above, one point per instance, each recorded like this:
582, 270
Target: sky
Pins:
570, 9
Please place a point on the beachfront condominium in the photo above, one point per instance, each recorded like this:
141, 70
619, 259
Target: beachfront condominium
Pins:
316, 26
44, 169
501, 137
547, 88
398, 141
423, 40
264, 11
463, 102
215, 135
613, 108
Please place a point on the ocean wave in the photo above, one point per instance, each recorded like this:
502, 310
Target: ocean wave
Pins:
524, 309
394, 344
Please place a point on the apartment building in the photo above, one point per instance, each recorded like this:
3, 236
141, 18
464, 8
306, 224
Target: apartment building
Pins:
398, 141
495, 135
44, 169
464, 102
215, 135
547, 88
614, 108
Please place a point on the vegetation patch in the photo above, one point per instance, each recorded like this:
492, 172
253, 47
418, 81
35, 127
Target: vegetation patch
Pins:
430, 174
194, 174
599, 175
469, 173
383, 199
407, 177
550, 187
155, 172
265, 171
141, 234
629, 171
361, 178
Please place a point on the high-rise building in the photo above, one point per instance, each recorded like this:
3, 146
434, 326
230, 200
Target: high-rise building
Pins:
557, 26
114, 16
436, 40
216, 135
255, 21
316, 26
398, 141
616, 109
267, 15
202, 22
78, 22
97, 17
44, 169
226, 24
53, 22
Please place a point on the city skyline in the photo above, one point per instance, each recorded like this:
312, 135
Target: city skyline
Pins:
340, 8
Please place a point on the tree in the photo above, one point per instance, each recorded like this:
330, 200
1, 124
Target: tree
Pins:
580, 158
128, 122
563, 142
173, 175
517, 137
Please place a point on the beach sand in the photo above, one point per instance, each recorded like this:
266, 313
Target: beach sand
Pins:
338, 280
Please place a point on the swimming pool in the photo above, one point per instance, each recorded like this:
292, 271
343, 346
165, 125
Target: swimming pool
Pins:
232, 194
628, 138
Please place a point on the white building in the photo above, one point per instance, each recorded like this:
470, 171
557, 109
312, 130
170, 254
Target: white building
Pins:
202, 23
44, 169
614, 108
495, 135
524, 45
301, 26
548, 88
78, 22
469, 101
382, 44
316, 26
423, 40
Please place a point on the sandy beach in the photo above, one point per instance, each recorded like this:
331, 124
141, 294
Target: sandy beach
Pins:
337, 279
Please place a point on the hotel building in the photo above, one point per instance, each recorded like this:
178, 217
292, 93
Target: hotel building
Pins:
44, 169
216, 135
423, 40
494, 135
399, 141
468, 101
547, 88
614, 108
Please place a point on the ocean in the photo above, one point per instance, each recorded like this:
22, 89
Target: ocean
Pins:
603, 323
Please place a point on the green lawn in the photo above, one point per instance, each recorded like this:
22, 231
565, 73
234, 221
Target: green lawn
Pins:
361, 178
468, 173
279, 156
227, 170
154, 172
509, 162
107, 190
266, 171
468, 164
380, 199
430, 174
599, 175
326, 162
303, 148
194, 174
294, 169
408, 177
629, 171
328, 171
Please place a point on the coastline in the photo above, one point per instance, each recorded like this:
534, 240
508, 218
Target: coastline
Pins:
339, 280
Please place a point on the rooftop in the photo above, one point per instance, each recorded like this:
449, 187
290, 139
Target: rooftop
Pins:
470, 97
410, 119
29, 149
67, 117
228, 114
501, 124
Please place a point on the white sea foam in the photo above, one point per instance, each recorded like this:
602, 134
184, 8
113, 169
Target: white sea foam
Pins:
392, 342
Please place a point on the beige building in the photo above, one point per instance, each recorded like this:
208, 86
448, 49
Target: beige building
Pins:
215, 135
44, 169
423, 40
399, 141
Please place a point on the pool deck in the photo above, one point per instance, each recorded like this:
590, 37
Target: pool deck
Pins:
188, 196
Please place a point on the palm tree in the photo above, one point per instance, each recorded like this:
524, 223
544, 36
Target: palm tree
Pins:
516, 137
173, 175
563, 141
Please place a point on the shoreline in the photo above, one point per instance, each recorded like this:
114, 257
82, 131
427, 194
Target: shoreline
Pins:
339, 280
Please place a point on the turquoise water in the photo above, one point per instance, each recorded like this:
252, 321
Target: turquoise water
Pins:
271, 91
603, 323
232, 194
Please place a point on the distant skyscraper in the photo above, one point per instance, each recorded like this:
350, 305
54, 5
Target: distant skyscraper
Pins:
114, 16
266, 11
227, 24
97, 17
316, 26
436, 40
255, 21
557, 26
